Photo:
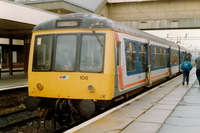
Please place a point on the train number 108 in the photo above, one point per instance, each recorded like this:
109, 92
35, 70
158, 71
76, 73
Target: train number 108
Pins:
83, 77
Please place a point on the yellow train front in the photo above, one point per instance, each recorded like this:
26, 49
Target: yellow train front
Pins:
68, 68
81, 63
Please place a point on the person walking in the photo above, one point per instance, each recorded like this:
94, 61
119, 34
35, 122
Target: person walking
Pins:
186, 66
197, 62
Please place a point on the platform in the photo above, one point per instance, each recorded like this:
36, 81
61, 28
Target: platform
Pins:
168, 108
18, 79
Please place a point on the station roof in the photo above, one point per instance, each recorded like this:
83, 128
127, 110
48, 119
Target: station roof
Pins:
19, 20
67, 6
92, 5
124, 1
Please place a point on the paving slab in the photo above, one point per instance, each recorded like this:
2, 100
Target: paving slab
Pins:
141, 127
185, 118
13, 81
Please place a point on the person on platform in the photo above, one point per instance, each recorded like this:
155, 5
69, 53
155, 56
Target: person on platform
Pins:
186, 66
197, 62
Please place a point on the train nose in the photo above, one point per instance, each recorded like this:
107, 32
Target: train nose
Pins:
31, 103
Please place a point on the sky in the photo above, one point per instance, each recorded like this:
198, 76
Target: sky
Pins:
187, 38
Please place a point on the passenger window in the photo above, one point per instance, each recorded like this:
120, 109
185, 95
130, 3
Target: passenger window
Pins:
164, 57
160, 57
142, 58
155, 57
130, 56
174, 57
118, 53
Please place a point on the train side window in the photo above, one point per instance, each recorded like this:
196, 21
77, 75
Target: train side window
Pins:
130, 56
174, 57
183, 55
42, 53
155, 57
142, 58
177, 56
118, 53
160, 57
65, 52
164, 57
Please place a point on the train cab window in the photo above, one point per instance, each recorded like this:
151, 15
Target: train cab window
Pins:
142, 58
65, 52
42, 53
92, 53
130, 56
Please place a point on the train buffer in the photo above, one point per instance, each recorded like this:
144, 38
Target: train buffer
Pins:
17, 80
168, 108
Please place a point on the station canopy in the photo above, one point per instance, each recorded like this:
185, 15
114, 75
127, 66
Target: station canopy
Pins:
18, 20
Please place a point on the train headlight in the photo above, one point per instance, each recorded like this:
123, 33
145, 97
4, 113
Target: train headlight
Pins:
40, 86
91, 88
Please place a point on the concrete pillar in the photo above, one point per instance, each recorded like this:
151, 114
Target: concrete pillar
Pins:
26, 52
10, 55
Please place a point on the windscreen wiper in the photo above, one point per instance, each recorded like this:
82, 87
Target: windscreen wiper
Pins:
97, 38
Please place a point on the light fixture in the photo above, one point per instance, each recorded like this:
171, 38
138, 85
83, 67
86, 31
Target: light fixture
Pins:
40, 86
91, 88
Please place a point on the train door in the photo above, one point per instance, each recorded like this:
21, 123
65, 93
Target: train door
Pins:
126, 63
148, 73
134, 63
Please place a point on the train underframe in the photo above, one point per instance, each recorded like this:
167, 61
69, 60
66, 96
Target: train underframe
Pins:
66, 112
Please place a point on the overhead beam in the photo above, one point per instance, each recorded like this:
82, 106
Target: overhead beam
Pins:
189, 23
25, 14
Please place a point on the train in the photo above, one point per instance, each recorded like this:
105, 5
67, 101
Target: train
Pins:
81, 63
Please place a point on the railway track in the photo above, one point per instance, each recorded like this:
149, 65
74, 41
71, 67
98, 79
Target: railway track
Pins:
12, 109
12, 100
15, 119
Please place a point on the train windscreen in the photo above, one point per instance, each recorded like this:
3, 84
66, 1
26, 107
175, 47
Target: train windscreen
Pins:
63, 52
92, 50
43, 53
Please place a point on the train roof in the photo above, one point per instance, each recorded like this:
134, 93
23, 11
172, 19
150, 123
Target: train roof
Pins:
185, 49
93, 21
